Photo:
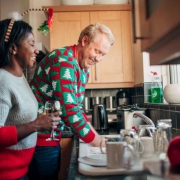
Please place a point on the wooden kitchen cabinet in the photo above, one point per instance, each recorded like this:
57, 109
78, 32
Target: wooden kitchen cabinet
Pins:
66, 150
66, 28
160, 30
117, 68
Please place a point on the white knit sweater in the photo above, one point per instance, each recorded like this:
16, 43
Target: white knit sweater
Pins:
18, 105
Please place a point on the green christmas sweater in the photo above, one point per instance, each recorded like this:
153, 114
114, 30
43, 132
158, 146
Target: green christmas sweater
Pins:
59, 77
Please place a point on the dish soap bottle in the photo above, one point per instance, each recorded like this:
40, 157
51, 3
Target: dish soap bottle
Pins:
156, 89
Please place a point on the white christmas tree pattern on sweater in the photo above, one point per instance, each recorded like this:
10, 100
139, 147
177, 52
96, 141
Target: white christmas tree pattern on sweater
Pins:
52, 54
54, 83
40, 111
62, 60
39, 70
50, 93
47, 70
44, 88
69, 99
85, 131
75, 118
67, 74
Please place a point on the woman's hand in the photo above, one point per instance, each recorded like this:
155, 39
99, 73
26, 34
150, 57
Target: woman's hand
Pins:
41, 123
47, 122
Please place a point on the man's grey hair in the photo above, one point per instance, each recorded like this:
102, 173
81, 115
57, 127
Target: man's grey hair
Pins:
93, 30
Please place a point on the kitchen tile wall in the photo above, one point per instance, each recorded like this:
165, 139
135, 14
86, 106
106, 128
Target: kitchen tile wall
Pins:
156, 111
107, 92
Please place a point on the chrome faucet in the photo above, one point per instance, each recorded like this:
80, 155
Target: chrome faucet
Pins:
145, 129
145, 118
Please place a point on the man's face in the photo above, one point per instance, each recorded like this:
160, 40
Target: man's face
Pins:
94, 52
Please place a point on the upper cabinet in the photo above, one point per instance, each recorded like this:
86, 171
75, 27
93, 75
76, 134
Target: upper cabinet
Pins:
160, 30
117, 68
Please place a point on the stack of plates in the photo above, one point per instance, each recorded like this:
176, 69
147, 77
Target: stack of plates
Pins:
94, 160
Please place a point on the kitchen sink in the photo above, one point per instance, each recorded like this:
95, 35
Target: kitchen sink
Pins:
138, 165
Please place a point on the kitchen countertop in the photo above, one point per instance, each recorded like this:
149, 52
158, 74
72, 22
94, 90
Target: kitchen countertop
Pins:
73, 173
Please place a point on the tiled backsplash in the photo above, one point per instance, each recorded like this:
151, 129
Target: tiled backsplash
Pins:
107, 92
156, 111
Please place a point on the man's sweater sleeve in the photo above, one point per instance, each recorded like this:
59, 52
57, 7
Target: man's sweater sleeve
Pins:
65, 90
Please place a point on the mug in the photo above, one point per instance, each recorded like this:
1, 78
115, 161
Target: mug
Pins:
112, 138
148, 146
116, 153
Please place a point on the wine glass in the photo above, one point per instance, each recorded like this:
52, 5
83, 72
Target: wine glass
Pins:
50, 107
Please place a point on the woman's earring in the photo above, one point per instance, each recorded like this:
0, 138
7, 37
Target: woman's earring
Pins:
14, 52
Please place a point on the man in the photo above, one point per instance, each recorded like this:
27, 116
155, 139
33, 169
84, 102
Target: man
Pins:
63, 74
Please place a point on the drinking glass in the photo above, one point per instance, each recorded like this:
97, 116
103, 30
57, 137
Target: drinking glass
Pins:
50, 107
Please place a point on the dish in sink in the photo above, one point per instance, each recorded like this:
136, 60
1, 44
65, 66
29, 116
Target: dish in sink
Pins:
94, 160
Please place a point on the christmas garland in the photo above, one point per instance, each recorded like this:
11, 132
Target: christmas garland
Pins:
45, 26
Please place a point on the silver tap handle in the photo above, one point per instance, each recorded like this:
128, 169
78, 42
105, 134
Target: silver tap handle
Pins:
145, 118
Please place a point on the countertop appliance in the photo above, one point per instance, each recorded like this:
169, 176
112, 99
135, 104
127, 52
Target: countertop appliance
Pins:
122, 97
126, 118
99, 117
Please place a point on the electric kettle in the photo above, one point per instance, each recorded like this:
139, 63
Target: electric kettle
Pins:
99, 117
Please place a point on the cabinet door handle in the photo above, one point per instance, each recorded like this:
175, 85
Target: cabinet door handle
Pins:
96, 73
134, 23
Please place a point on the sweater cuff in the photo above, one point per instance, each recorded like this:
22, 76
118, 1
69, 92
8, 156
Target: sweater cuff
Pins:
89, 138
9, 136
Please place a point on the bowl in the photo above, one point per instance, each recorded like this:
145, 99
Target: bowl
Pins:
111, 1
172, 93
77, 2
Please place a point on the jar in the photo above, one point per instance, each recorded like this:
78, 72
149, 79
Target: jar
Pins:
130, 136
163, 135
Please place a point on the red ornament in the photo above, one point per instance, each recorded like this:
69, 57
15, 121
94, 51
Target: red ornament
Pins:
173, 152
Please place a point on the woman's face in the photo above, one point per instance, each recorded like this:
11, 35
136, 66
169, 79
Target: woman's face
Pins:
26, 52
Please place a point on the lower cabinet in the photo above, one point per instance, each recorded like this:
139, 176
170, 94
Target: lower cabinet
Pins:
66, 149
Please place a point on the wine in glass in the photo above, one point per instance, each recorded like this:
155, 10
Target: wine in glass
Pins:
52, 106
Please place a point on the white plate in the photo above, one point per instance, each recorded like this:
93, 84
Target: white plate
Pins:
94, 159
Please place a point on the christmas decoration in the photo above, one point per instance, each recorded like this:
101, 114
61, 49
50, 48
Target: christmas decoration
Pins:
8, 32
45, 26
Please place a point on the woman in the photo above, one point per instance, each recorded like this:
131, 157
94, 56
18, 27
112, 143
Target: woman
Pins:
18, 106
